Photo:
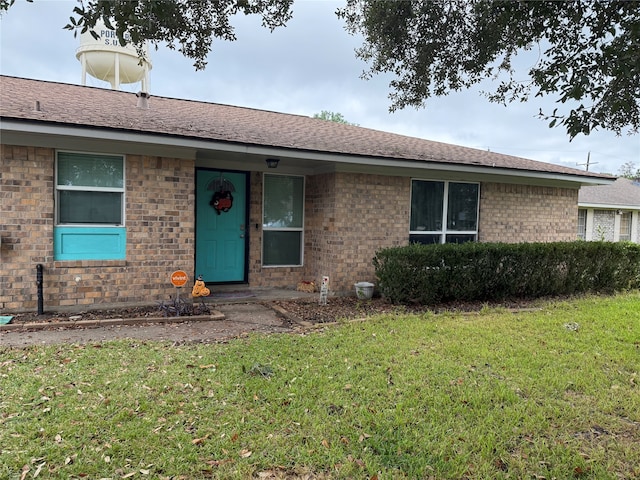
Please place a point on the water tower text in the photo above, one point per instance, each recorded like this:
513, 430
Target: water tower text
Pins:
110, 37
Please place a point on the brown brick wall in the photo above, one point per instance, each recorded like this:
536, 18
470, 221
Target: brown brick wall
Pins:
26, 222
255, 234
160, 234
524, 213
347, 218
323, 240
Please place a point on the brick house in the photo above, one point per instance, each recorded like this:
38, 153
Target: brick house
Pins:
111, 192
610, 212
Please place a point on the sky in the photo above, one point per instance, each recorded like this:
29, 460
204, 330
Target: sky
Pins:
306, 67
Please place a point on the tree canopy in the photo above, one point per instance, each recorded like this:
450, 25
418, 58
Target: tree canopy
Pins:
589, 54
333, 117
588, 51
629, 170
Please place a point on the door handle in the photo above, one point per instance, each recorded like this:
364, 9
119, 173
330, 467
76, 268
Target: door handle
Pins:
242, 235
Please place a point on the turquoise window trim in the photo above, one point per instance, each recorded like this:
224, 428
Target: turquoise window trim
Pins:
89, 243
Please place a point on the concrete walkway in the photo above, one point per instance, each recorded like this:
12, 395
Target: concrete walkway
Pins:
238, 316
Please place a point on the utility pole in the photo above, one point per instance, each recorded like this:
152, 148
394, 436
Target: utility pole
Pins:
589, 162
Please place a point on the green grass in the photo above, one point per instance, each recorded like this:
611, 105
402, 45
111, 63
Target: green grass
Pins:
484, 396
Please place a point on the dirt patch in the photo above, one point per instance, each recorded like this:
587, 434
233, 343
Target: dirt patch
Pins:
307, 310
339, 308
56, 317
235, 320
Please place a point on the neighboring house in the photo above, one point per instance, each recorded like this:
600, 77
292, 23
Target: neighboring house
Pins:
610, 212
111, 192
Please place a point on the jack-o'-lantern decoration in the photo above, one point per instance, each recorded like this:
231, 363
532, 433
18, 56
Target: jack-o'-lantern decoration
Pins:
199, 289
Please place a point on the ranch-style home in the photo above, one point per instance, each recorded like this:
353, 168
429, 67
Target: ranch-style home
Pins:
610, 212
110, 192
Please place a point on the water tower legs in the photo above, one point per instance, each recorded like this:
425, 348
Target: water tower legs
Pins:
115, 85
83, 62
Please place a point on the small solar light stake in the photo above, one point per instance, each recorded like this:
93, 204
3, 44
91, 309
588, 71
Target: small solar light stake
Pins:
324, 290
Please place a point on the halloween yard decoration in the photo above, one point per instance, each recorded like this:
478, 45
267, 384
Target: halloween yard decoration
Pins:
222, 200
199, 290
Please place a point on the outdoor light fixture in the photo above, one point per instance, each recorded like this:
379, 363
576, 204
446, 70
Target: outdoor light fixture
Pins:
272, 162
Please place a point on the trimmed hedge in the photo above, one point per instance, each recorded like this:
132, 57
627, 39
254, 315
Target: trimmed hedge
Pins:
431, 274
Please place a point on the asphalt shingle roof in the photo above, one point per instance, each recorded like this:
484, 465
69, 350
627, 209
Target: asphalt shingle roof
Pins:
621, 192
75, 105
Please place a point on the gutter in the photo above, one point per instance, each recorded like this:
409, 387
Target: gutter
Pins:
609, 206
22, 132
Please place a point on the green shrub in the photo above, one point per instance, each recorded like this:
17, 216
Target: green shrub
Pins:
430, 274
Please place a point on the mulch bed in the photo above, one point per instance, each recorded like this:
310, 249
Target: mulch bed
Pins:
307, 310
54, 317
339, 308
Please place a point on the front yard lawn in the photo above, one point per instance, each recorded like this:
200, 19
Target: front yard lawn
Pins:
547, 394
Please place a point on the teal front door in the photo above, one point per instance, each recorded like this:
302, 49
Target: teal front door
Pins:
221, 232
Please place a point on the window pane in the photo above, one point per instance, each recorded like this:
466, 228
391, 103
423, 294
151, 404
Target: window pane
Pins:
80, 170
582, 224
460, 238
426, 205
90, 207
427, 239
281, 248
625, 227
462, 207
283, 201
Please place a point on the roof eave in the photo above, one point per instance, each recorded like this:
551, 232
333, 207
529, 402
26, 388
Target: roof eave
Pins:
188, 147
608, 206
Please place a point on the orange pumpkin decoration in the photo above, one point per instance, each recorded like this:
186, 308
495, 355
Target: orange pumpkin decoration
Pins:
199, 289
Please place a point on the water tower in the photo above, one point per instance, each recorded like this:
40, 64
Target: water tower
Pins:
106, 59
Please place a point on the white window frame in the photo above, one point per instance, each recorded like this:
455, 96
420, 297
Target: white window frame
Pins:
283, 229
628, 235
59, 188
445, 206
582, 223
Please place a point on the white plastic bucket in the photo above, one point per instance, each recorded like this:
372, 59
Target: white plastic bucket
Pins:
364, 290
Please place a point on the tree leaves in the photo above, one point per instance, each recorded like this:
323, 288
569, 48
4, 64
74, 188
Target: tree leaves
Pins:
589, 54
332, 117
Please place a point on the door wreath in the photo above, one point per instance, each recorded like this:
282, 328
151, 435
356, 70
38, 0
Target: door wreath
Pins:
222, 201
